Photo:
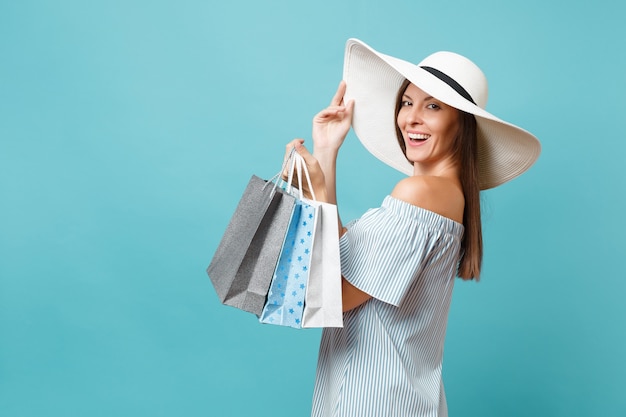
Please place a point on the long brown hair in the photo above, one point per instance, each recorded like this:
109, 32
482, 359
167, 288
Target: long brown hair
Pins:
465, 148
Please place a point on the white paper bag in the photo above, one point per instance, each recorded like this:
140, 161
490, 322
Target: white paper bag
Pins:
323, 303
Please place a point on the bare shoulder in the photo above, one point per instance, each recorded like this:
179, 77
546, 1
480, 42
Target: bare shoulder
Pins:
437, 194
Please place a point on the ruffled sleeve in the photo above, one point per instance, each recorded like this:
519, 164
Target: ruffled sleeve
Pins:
384, 251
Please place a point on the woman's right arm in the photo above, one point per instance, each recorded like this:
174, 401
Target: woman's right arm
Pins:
330, 127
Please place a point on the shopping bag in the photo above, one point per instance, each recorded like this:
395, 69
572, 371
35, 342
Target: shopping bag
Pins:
245, 260
323, 303
306, 288
286, 296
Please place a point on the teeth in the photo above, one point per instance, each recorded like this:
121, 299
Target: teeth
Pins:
420, 136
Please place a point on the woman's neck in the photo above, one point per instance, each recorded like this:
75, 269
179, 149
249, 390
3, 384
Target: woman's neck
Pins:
446, 168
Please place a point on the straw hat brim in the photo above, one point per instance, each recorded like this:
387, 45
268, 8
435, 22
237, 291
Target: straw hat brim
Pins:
373, 79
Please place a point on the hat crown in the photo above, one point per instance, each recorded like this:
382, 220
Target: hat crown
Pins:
463, 71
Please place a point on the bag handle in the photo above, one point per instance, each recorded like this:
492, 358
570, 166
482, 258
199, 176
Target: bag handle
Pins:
298, 165
302, 167
275, 179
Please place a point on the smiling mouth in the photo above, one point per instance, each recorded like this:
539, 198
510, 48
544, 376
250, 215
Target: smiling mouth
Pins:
418, 137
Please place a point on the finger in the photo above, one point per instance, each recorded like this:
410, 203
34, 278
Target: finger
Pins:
349, 108
291, 145
338, 98
337, 111
305, 154
331, 112
288, 149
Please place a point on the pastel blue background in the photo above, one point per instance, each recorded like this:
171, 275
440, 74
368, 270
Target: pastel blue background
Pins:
128, 130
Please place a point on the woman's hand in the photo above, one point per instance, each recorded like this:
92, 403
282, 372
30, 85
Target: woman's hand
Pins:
331, 125
318, 181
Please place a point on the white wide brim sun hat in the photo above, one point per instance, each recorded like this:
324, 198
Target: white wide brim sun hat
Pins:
373, 79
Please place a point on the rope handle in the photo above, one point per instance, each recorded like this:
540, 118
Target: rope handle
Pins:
296, 163
276, 179
300, 165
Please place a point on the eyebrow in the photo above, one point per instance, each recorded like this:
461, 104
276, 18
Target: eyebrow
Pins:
425, 98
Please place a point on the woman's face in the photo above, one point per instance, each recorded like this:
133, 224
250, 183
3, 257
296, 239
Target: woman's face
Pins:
428, 128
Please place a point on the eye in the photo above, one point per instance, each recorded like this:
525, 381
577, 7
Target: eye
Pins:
433, 106
406, 103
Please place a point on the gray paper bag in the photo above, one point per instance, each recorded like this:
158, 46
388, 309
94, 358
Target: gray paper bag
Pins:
243, 264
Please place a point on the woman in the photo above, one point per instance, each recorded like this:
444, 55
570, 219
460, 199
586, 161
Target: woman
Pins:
399, 261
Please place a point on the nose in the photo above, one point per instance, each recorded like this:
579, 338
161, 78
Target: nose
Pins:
413, 115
